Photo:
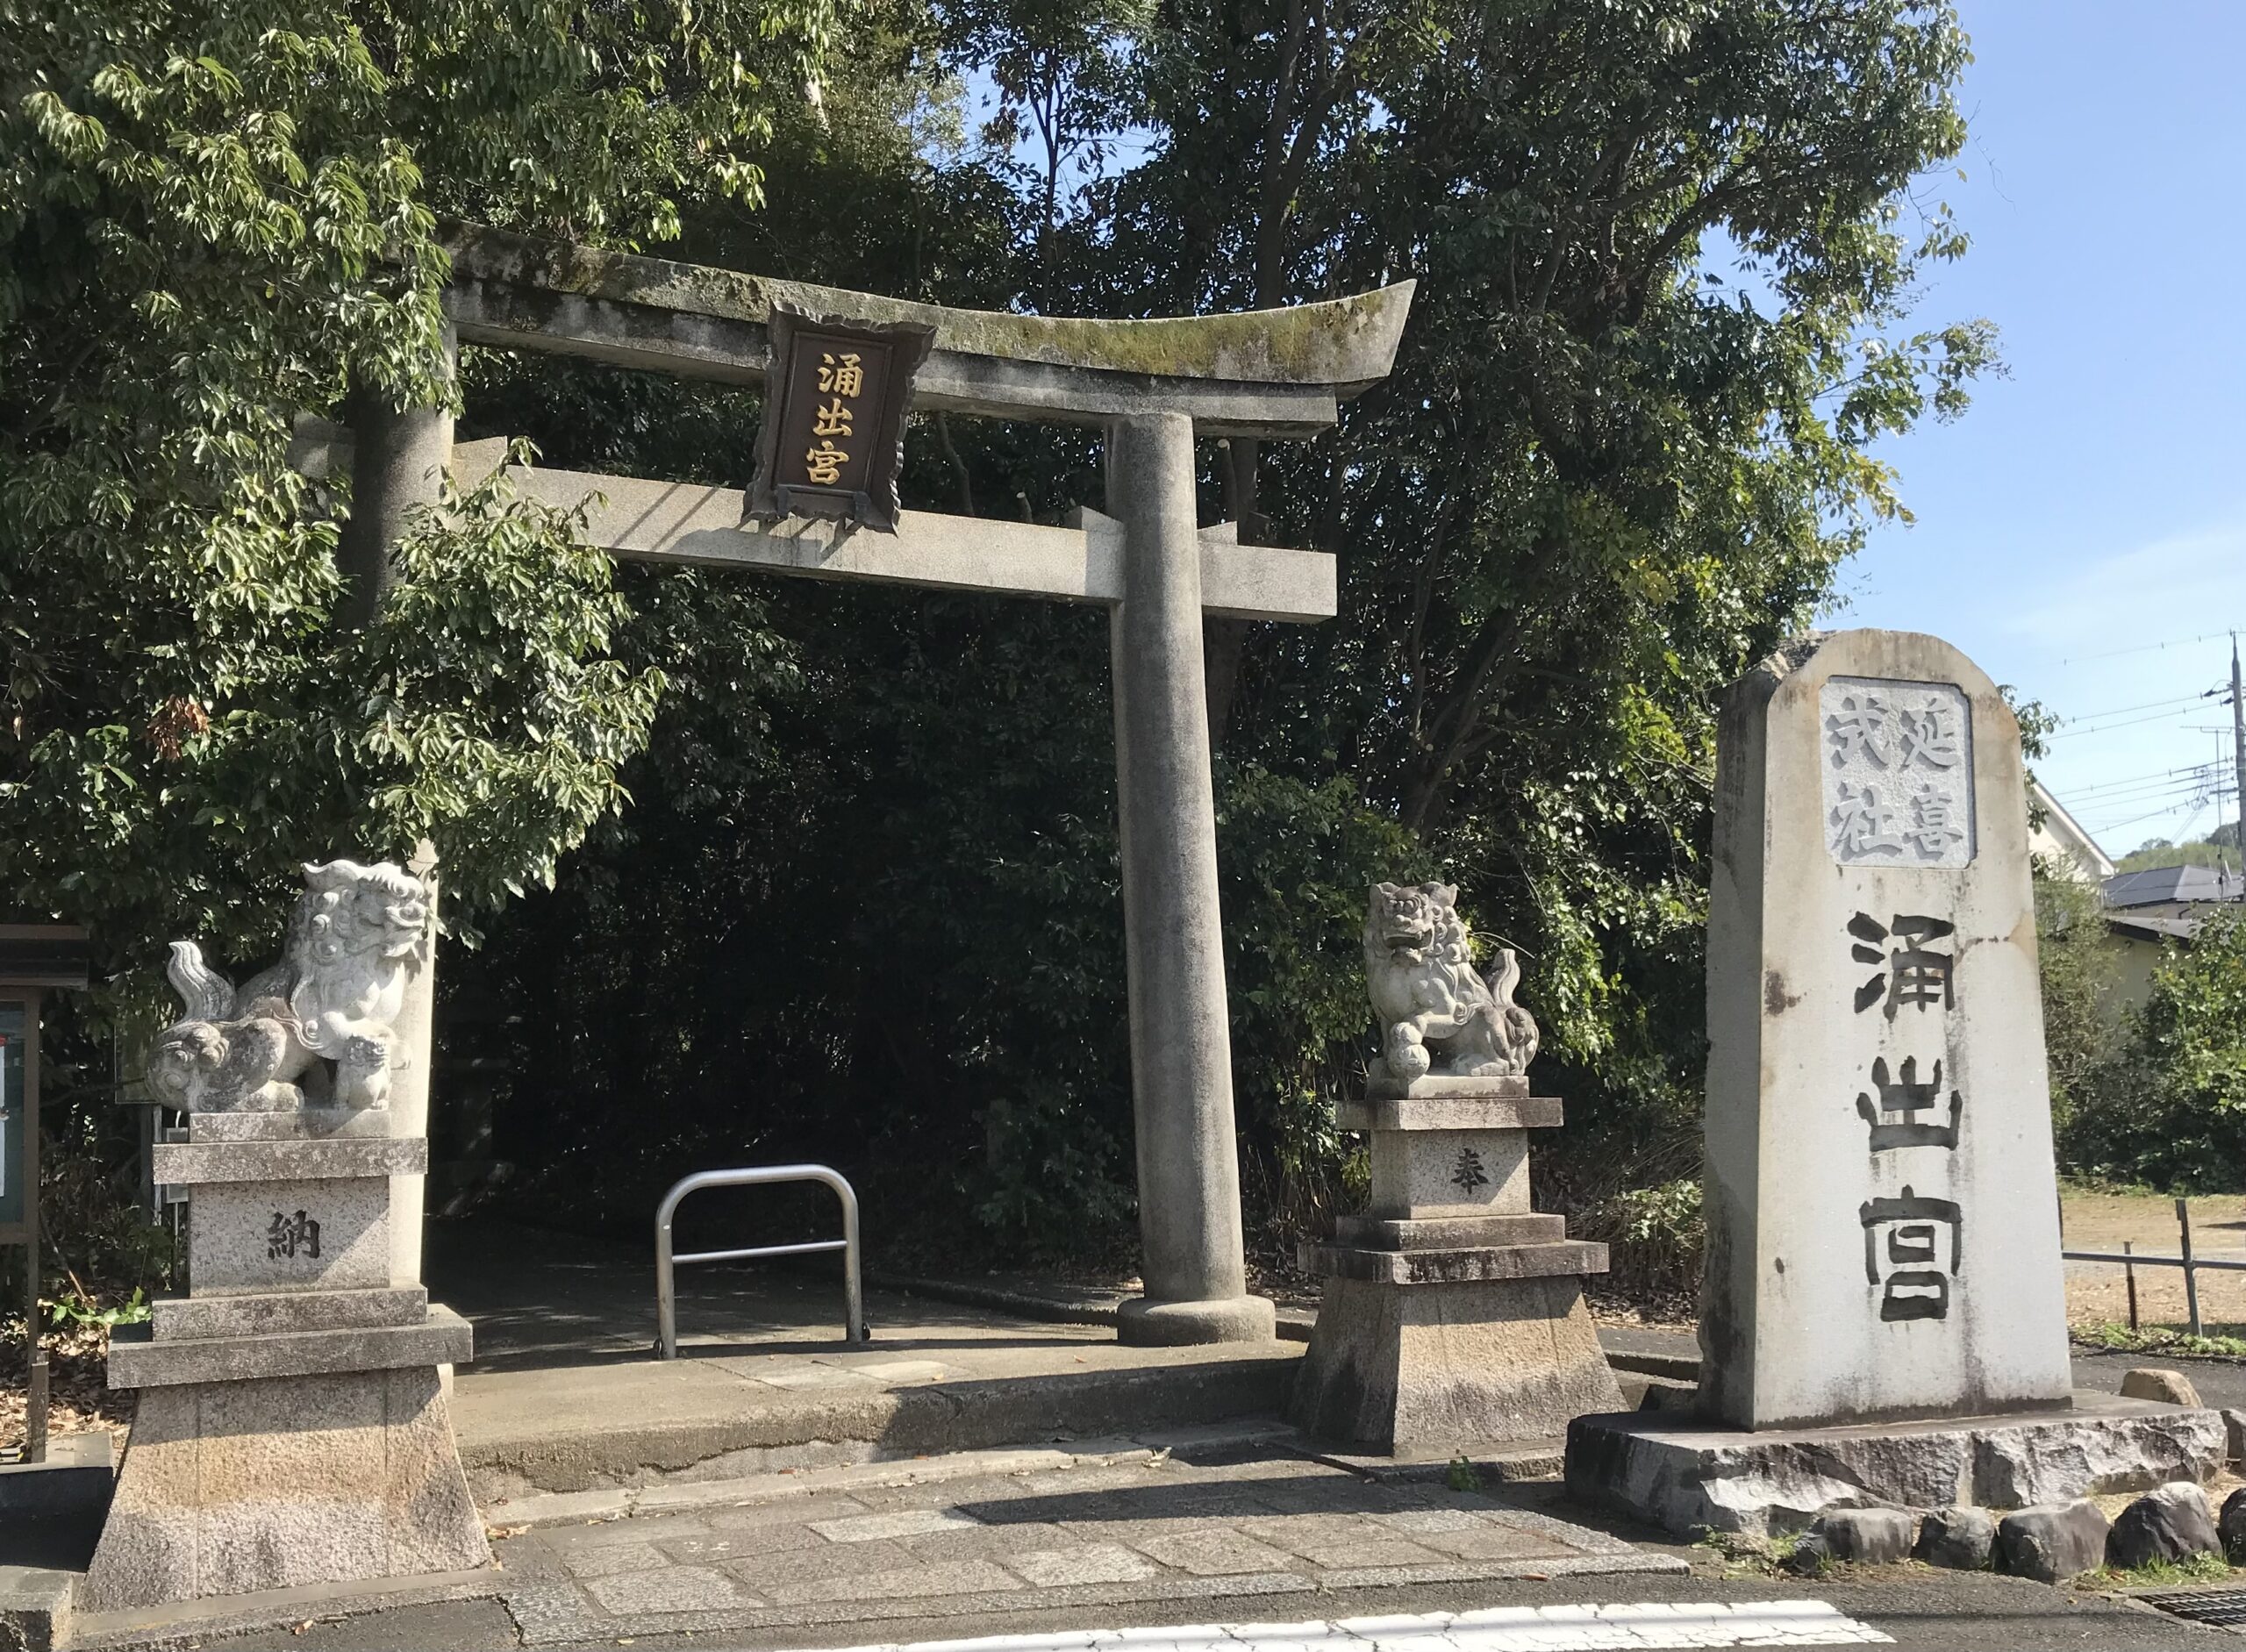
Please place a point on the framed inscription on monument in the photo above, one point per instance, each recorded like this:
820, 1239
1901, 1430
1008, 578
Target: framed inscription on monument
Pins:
833, 432
1898, 772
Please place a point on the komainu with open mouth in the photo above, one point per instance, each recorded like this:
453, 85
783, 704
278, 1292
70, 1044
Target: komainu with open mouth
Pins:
1437, 1015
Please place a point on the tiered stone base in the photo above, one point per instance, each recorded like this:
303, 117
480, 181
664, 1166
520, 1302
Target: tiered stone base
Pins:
1451, 1365
1685, 1476
292, 1427
233, 1487
1453, 1315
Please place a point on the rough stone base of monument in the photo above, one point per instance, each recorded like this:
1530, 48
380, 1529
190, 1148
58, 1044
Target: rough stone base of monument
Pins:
230, 1487
1685, 1476
1451, 1365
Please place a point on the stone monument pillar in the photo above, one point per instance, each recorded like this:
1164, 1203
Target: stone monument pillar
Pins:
291, 1429
1878, 1126
1882, 1207
1452, 1316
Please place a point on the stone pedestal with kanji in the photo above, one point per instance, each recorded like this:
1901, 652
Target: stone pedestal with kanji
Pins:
292, 1427
1453, 1315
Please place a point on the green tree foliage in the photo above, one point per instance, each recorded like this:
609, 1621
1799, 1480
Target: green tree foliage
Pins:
2076, 961
1603, 476
2169, 1107
2219, 847
1666, 258
211, 217
864, 903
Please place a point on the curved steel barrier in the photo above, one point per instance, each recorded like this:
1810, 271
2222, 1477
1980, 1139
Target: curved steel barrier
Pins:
666, 1296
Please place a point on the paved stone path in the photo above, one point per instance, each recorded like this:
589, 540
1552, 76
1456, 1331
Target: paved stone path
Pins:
1221, 1522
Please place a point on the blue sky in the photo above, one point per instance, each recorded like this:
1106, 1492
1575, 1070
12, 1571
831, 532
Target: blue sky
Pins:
2094, 502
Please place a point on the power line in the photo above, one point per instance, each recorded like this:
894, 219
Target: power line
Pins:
2169, 773
2123, 710
2194, 802
2162, 783
2147, 647
2131, 722
2158, 776
2145, 799
2134, 820
2183, 780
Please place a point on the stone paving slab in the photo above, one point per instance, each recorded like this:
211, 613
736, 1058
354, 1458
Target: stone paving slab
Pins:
1223, 1520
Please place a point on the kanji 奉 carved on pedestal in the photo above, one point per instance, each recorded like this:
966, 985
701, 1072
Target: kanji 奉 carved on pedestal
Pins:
267, 1046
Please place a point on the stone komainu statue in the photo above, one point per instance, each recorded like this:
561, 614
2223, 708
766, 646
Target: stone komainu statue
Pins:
1437, 1015
269, 1046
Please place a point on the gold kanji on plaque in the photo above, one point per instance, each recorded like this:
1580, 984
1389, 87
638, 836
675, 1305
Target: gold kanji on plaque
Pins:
836, 394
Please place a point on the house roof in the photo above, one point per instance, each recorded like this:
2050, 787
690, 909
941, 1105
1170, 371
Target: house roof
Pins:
2166, 885
2068, 834
2154, 928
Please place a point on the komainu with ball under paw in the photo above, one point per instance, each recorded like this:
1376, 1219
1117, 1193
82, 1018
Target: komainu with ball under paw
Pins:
1437, 1015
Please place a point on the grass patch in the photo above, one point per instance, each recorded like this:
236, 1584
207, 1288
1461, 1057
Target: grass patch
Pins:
1742, 1553
2160, 1574
2160, 1338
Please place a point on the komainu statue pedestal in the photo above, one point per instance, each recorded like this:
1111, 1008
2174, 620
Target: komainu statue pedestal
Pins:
1452, 1316
292, 1427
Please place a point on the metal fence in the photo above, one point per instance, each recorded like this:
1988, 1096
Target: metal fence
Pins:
666, 1297
2131, 1260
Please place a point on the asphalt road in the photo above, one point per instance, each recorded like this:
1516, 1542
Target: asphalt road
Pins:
1922, 1610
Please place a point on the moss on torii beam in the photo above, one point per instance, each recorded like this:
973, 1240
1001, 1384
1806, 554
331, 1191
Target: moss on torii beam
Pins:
1264, 372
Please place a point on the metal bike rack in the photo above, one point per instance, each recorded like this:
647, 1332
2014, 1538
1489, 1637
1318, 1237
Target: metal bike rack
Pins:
666, 1295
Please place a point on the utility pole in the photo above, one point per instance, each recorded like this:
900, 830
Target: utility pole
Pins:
2238, 752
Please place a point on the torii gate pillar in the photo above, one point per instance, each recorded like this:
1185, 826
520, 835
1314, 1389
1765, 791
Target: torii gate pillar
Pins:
1195, 1269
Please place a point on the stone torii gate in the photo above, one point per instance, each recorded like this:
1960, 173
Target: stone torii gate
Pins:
1151, 386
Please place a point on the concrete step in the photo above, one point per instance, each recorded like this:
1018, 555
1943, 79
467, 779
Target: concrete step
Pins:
35, 1606
1649, 1350
1053, 1301
643, 1421
539, 1509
